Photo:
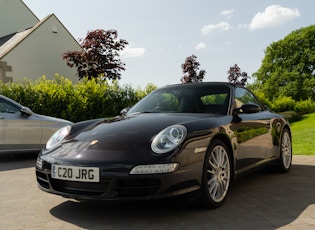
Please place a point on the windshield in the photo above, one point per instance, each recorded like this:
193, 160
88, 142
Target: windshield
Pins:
194, 98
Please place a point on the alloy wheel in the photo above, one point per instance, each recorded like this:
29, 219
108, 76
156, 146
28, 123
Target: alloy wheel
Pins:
286, 150
218, 173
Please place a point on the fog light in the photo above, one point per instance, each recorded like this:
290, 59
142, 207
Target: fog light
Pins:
154, 169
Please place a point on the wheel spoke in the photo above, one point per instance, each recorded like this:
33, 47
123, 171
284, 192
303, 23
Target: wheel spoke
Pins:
212, 164
211, 171
214, 159
213, 187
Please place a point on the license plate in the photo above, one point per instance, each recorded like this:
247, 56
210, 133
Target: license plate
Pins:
73, 173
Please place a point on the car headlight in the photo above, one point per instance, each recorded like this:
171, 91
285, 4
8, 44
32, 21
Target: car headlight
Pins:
58, 137
168, 139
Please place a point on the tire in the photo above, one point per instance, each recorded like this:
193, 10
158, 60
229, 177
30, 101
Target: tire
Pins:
216, 175
285, 158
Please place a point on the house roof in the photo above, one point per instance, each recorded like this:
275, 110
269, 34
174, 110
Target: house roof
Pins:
9, 42
4, 39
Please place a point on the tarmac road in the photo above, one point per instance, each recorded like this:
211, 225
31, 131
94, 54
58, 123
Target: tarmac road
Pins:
263, 200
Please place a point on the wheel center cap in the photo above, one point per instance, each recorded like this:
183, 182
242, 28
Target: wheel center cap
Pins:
218, 174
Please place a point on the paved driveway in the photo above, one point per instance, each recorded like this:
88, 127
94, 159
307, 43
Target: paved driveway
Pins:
261, 201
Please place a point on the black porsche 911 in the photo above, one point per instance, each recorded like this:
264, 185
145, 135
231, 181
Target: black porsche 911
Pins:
184, 138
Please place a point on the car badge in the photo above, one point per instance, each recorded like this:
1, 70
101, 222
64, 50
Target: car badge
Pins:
93, 142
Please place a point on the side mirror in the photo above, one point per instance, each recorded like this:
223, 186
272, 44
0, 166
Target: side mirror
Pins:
247, 108
250, 108
26, 111
124, 111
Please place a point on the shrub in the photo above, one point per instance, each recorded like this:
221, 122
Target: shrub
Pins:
283, 104
88, 99
291, 116
304, 107
263, 99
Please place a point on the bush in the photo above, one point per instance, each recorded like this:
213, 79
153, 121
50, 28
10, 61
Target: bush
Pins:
88, 99
292, 116
263, 98
283, 104
304, 107
286, 104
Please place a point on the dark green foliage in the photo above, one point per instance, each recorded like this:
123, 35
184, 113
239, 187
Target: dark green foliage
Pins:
75, 102
291, 116
304, 107
288, 68
282, 104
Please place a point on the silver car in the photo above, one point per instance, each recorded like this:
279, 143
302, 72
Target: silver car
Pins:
22, 130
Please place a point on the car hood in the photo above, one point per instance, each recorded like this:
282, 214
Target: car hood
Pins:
125, 139
130, 131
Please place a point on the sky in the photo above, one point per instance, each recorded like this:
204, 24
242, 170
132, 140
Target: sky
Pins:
163, 33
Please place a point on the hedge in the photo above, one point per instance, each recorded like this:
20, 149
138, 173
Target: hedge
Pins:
91, 99
85, 100
291, 109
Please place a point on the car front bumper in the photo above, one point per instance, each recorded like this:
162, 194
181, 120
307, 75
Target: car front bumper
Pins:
117, 184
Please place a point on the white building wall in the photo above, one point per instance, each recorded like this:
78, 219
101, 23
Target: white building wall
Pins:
40, 53
15, 16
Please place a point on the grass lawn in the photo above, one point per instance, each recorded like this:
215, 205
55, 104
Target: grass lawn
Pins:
303, 135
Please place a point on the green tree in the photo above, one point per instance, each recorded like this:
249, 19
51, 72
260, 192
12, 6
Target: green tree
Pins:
288, 67
190, 70
99, 57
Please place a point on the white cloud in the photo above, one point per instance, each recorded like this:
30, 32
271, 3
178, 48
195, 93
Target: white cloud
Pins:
200, 46
273, 16
227, 13
132, 51
215, 27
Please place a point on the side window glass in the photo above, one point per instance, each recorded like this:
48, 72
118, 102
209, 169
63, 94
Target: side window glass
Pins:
244, 96
7, 107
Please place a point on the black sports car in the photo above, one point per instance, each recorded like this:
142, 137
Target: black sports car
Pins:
194, 137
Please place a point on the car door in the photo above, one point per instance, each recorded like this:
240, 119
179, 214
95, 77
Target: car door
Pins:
252, 130
18, 131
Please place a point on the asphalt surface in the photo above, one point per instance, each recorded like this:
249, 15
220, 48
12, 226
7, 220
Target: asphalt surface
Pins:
263, 200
